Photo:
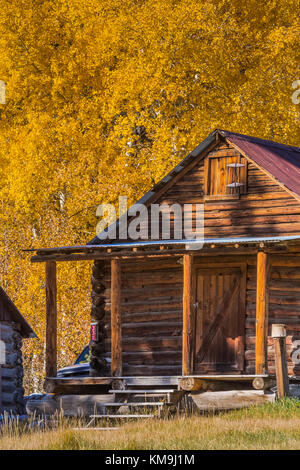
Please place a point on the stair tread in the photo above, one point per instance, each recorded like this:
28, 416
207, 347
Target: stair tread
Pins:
142, 391
146, 403
122, 416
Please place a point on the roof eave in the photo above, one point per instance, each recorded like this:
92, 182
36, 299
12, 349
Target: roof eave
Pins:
167, 243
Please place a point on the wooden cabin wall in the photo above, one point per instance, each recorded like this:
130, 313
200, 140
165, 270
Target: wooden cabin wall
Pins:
152, 288
265, 210
99, 317
284, 307
151, 316
152, 313
11, 373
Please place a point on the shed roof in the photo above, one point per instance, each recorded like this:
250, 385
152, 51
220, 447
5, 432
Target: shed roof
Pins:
15, 315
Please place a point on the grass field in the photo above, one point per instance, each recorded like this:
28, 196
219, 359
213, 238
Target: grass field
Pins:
271, 426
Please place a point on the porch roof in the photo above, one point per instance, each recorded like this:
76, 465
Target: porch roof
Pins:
42, 254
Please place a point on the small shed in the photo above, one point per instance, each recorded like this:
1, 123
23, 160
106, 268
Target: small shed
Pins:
13, 328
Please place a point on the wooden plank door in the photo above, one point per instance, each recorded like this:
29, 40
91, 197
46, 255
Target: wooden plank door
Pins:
220, 320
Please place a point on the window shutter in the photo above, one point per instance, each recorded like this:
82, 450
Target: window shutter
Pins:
225, 176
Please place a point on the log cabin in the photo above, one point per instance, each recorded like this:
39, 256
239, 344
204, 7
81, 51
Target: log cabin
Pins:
161, 308
13, 329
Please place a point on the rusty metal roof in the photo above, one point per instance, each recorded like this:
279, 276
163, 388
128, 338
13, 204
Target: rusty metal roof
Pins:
280, 161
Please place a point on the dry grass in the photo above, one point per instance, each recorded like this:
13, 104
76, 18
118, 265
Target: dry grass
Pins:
272, 426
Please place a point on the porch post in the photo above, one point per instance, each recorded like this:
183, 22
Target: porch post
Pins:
262, 313
116, 324
187, 345
51, 319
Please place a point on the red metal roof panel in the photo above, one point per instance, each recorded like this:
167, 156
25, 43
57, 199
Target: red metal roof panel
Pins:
281, 161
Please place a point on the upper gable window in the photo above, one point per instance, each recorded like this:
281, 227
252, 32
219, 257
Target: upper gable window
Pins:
225, 176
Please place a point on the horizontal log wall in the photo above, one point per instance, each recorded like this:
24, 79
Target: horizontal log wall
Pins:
284, 307
98, 363
12, 392
151, 305
152, 312
265, 210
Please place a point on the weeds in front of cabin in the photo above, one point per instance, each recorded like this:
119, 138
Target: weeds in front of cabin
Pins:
11, 425
270, 426
287, 408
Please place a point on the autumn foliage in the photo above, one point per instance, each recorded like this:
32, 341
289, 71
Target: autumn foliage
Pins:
103, 98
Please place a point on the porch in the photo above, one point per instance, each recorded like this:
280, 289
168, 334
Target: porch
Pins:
113, 397
266, 250
90, 385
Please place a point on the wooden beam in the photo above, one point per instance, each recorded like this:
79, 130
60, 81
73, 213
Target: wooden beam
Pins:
116, 322
230, 399
79, 385
51, 319
288, 260
192, 384
106, 256
262, 313
187, 329
263, 383
141, 253
282, 378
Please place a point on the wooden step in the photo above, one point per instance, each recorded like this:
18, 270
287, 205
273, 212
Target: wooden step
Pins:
139, 392
152, 403
122, 416
152, 381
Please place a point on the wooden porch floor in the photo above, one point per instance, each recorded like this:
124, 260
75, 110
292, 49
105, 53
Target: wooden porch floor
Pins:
92, 384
